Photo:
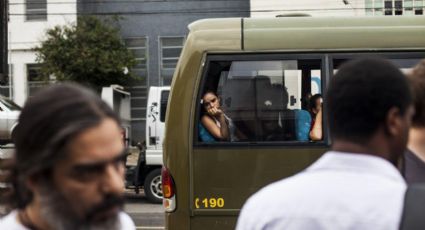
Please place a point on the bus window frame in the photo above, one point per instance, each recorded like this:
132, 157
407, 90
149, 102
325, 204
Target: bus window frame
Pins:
327, 67
390, 54
210, 57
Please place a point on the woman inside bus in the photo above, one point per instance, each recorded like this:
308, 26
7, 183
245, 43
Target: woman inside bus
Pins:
214, 121
315, 107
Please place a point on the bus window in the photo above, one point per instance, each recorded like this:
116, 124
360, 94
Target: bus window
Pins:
266, 100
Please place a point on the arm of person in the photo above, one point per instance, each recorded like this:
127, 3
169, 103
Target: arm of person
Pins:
221, 133
316, 133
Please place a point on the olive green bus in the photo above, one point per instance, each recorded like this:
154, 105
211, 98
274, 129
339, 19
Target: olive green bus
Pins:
264, 71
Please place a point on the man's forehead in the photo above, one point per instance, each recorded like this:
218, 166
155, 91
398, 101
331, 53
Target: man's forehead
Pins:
101, 142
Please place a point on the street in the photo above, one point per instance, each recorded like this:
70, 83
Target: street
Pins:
144, 214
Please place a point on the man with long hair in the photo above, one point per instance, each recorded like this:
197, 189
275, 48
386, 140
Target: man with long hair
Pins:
69, 170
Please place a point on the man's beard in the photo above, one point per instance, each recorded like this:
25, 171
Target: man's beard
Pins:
57, 211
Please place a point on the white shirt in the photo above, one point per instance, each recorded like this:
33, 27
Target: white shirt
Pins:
339, 191
10, 222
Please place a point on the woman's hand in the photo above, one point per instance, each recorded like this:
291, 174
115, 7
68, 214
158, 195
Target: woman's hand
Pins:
215, 112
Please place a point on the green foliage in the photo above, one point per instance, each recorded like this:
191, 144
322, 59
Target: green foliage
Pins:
90, 52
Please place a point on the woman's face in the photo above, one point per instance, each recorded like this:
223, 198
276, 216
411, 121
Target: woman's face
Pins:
210, 100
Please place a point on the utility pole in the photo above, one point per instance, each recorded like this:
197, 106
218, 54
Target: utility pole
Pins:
3, 41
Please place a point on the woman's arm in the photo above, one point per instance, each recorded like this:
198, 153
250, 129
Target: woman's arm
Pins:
221, 132
316, 133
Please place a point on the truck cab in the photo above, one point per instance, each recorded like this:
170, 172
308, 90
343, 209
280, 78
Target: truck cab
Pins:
147, 172
155, 123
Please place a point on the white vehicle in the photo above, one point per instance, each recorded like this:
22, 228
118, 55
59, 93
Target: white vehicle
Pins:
148, 169
119, 100
9, 113
155, 123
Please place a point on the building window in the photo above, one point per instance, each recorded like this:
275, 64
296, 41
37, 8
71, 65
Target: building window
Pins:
408, 7
388, 4
419, 7
6, 90
138, 88
398, 7
34, 80
170, 49
36, 10
138, 45
373, 7
394, 7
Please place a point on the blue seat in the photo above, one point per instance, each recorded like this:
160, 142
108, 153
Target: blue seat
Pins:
204, 135
302, 124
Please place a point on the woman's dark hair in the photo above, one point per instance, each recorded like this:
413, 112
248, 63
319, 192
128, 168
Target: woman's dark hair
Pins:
360, 96
48, 122
203, 111
208, 91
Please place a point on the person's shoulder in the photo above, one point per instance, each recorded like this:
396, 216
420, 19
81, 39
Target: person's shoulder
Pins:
126, 222
10, 222
263, 206
206, 117
267, 194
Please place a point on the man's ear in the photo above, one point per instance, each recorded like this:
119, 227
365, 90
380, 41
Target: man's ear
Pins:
33, 183
393, 122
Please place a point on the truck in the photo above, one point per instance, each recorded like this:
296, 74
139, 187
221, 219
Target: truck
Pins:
147, 172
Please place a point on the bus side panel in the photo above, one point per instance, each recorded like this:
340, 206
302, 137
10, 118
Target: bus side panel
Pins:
225, 177
176, 143
213, 222
177, 220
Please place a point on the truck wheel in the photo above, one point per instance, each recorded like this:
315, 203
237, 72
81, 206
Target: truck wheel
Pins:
153, 186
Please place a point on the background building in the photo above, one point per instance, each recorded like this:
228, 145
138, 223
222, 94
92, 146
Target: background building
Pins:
154, 30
